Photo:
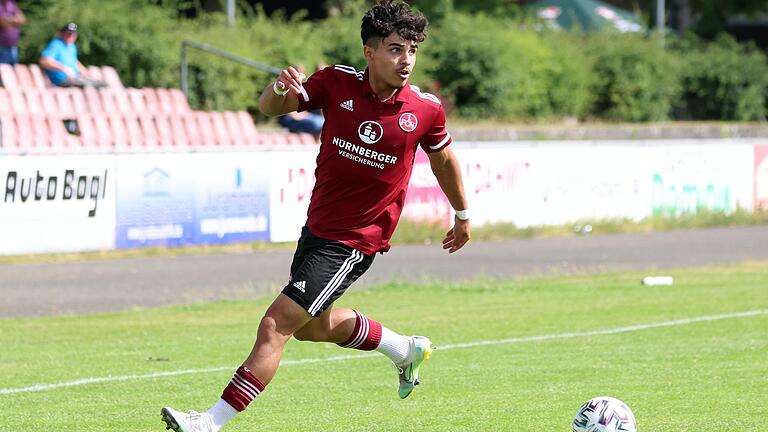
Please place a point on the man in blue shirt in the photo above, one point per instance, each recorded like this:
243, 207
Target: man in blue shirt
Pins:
59, 60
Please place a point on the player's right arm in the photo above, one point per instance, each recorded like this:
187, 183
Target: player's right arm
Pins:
272, 103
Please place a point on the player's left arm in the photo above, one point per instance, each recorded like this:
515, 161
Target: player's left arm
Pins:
445, 166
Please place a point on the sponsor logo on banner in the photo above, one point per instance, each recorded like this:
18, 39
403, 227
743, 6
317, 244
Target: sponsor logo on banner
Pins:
56, 203
55, 185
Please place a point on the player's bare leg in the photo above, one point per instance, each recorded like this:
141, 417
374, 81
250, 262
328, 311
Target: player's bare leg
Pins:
350, 329
277, 326
283, 318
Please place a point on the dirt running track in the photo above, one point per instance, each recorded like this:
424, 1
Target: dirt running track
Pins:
112, 285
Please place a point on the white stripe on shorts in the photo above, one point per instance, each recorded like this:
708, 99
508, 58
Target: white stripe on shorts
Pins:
335, 281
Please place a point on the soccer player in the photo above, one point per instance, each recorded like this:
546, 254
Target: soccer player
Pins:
375, 121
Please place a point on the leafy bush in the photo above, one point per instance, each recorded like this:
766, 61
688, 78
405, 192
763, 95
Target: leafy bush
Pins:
489, 68
635, 79
485, 66
130, 36
724, 80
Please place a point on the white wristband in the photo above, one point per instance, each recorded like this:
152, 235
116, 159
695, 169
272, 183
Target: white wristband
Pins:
278, 91
462, 214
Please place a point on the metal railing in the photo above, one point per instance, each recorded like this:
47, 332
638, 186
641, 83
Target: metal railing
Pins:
186, 44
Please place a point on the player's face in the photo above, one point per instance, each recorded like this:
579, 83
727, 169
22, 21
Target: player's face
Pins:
391, 62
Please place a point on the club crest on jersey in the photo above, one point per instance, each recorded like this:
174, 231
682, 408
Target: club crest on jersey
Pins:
370, 132
408, 122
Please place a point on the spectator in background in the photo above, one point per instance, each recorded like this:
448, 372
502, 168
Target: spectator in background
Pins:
310, 122
60, 62
11, 20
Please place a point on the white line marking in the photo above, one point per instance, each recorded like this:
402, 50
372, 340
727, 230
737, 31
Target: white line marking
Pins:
639, 327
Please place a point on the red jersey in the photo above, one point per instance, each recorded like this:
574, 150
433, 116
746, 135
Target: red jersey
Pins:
366, 155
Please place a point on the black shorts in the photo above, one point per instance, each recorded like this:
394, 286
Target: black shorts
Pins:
322, 270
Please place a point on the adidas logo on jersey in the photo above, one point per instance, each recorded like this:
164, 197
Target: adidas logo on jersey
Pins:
347, 105
301, 286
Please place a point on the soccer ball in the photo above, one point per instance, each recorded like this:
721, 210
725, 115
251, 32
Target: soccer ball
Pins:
604, 414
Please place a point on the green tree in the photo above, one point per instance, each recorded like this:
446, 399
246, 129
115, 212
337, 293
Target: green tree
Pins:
706, 18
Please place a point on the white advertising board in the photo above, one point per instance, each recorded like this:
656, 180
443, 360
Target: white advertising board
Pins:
57, 203
552, 183
291, 179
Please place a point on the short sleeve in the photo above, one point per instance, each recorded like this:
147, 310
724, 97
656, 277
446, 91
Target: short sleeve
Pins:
314, 94
50, 49
437, 137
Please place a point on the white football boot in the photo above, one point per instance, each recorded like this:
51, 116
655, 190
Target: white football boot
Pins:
192, 421
408, 370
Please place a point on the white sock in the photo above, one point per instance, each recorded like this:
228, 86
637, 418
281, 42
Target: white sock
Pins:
394, 346
221, 413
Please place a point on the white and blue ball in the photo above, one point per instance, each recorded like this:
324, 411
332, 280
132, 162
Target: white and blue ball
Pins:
604, 414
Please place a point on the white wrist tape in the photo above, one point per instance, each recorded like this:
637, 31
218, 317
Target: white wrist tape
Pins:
277, 90
462, 214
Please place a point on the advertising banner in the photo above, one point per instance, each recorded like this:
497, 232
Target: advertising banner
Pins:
425, 201
761, 177
155, 200
232, 197
553, 184
195, 198
689, 178
292, 177
57, 203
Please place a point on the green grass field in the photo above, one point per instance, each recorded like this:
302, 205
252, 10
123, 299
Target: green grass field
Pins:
690, 375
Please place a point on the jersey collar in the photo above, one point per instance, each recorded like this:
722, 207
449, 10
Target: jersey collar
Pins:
401, 95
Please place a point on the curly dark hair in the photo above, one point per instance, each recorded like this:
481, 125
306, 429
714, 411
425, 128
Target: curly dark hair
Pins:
390, 16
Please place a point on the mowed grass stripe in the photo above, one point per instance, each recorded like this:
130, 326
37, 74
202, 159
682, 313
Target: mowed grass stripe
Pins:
46, 387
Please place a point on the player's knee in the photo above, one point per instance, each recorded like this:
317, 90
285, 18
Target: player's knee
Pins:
268, 327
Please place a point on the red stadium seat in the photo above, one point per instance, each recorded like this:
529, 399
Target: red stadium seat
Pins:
24, 77
307, 139
79, 103
136, 138
41, 80
93, 100
246, 124
205, 128
150, 99
88, 134
235, 131
48, 102
192, 129
120, 99
149, 131
32, 99
220, 129
8, 77
109, 74
18, 102
30, 136
120, 137
108, 101
179, 131
136, 98
164, 131
179, 101
9, 142
60, 138
164, 101
63, 101
5, 102
94, 73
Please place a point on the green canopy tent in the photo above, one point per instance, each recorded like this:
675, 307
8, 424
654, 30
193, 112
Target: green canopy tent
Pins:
585, 15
